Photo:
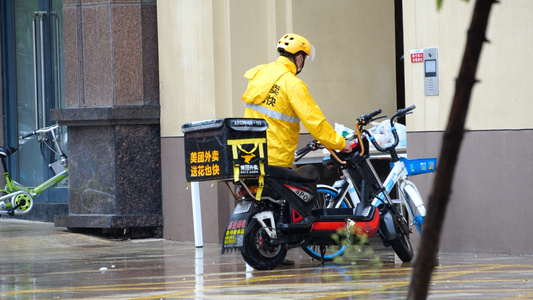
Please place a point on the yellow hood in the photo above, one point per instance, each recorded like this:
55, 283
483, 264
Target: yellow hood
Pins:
265, 78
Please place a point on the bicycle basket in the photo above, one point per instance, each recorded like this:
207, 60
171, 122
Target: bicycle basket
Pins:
420, 165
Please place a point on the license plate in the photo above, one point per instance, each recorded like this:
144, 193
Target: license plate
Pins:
242, 207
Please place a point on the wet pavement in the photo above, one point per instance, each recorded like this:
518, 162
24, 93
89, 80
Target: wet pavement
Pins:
39, 261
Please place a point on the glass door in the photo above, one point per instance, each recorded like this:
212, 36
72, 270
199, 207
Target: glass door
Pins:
32, 31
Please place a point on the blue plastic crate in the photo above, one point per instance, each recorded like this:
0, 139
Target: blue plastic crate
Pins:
420, 165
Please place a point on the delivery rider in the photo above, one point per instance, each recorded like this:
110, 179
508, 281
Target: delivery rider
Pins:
275, 94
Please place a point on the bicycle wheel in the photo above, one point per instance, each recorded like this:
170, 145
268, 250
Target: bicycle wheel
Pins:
325, 194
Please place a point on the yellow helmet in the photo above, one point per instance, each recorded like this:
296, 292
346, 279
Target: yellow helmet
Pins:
293, 43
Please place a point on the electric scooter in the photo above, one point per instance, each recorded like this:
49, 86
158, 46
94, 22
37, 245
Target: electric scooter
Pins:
288, 214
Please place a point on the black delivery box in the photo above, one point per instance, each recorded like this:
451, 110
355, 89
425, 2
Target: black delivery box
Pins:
223, 149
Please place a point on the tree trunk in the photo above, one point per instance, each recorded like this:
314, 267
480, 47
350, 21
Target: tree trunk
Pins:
451, 143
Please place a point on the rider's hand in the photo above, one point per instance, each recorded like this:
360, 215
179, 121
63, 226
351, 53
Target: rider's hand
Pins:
347, 148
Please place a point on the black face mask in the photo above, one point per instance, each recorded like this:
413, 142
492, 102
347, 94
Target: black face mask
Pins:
292, 57
303, 63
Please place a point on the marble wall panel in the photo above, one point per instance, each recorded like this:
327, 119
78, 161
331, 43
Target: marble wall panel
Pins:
127, 54
72, 56
150, 61
97, 55
138, 167
92, 170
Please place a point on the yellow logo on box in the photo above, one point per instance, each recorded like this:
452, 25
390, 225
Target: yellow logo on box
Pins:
248, 157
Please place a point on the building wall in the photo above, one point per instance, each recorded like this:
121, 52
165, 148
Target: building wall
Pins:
206, 46
503, 94
489, 199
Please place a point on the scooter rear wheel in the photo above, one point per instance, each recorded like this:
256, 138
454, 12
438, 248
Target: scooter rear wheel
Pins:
258, 252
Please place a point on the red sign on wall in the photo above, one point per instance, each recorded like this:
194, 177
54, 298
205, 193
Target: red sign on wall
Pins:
417, 55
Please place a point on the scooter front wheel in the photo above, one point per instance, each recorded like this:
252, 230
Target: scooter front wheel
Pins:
402, 244
259, 252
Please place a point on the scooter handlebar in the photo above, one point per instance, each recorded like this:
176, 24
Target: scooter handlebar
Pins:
302, 152
312, 146
365, 119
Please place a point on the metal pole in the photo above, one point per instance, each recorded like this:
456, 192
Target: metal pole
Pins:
197, 215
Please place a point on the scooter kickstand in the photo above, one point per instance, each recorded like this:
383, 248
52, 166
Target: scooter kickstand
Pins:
322, 254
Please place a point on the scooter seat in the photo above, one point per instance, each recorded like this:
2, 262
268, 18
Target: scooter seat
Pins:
307, 173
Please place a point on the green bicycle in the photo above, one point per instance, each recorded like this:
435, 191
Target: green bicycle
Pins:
17, 199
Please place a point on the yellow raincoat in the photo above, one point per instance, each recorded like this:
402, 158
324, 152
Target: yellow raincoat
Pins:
275, 94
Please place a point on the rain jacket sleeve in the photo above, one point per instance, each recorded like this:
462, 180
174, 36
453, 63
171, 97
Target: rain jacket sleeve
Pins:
312, 117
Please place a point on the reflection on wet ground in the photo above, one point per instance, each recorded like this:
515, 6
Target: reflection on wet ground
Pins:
39, 261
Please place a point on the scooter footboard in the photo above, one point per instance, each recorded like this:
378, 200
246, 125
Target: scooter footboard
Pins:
326, 226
